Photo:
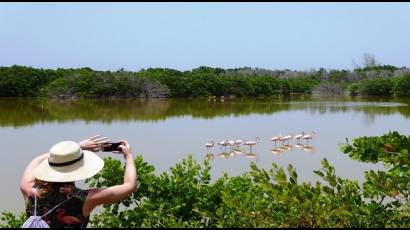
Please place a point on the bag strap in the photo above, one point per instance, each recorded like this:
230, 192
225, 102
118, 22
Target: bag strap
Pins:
35, 203
58, 205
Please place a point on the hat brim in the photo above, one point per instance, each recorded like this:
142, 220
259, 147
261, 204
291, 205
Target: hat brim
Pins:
87, 167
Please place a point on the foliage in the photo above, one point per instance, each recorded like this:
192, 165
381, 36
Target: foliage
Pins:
186, 197
393, 150
354, 89
11, 221
378, 68
376, 86
21, 81
302, 85
402, 86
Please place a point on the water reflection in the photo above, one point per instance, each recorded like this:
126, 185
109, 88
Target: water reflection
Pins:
19, 112
229, 149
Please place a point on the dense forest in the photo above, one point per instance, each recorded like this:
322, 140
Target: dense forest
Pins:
22, 81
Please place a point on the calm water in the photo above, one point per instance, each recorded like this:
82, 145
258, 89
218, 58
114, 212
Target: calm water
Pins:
166, 131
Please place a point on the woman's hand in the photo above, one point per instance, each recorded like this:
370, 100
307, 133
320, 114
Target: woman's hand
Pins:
125, 148
95, 143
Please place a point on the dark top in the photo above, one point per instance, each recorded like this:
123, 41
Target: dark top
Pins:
67, 215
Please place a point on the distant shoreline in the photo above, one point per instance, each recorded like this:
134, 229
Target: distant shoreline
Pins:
22, 81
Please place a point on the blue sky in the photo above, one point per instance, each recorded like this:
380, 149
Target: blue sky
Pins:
109, 36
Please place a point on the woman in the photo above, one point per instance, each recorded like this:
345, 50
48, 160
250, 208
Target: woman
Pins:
48, 182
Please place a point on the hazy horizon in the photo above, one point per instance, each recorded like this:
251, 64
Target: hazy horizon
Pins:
184, 36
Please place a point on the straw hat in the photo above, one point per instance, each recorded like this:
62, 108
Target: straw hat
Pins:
68, 162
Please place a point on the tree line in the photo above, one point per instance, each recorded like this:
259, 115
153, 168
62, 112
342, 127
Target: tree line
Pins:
23, 81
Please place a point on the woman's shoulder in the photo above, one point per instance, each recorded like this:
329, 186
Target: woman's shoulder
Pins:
81, 193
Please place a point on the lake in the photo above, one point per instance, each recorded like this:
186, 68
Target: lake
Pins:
166, 131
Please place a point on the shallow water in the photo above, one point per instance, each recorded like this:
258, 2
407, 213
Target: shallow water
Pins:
165, 131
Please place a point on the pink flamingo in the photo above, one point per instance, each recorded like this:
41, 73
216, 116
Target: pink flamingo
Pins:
276, 138
224, 143
308, 136
237, 143
209, 145
299, 136
251, 143
287, 138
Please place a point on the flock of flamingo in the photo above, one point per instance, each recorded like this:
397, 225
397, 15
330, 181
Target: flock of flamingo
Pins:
285, 145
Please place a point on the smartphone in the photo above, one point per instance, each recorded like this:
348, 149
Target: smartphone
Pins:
113, 147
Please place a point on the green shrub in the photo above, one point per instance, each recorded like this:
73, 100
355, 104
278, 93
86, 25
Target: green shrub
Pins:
376, 86
402, 86
354, 88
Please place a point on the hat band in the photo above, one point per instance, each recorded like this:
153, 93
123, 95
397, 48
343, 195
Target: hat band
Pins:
66, 163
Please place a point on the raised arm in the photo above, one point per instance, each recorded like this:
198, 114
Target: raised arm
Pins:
113, 194
27, 180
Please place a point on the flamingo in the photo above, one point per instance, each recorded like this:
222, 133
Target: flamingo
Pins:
231, 143
210, 145
276, 138
224, 143
309, 136
237, 143
297, 137
67, 219
251, 143
287, 138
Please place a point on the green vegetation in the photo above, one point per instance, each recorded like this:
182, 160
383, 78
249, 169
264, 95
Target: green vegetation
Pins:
376, 86
402, 86
20, 81
186, 197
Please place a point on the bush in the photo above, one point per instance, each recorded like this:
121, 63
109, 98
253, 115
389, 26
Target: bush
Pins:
354, 88
402, 86
376, 86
